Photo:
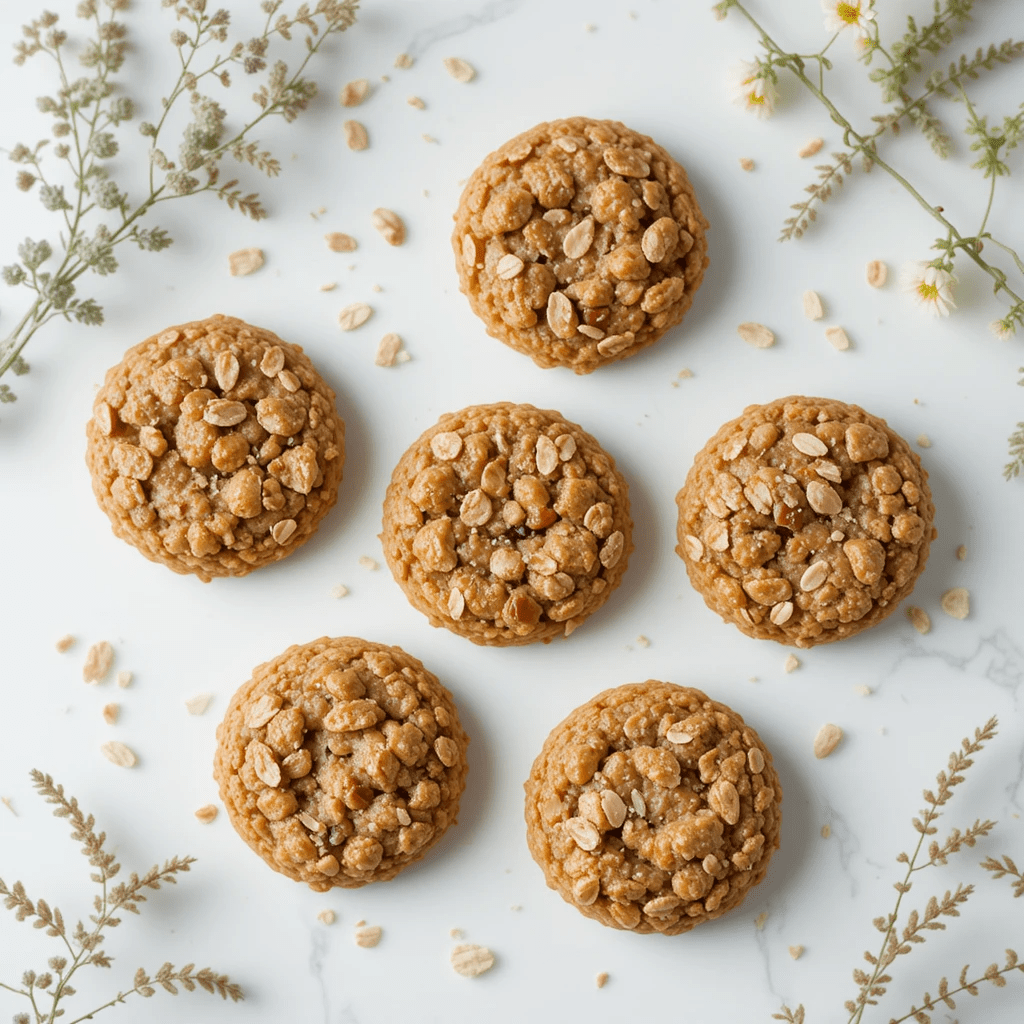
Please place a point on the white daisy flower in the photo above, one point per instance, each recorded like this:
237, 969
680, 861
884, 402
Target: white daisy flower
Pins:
753, 91
855, 14
930, 287
1002, 329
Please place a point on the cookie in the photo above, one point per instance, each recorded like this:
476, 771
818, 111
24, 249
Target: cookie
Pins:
215, 448
507, 524
579, 242
805, 521
653, 808
341, 762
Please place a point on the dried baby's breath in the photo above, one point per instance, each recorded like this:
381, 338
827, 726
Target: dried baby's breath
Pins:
245, 261
756, 334
65, 643
459, 69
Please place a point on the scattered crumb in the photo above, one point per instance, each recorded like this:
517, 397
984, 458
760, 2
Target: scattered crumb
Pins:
428, 138
455, 933
354, 93
245, 261
810, 148
426, 192
796, 952
589, 27
919, 619
470, 960
6, 801
326, 917
338, 241
862, 690
460, 70
65, 643
753, 679
98, 660
329, 287
356, 136
602, 979
516, 906
124, 678
369, 937
354, 315
837, 338
339, 591
924, 441
403, 60
633, 15
376, 288
827, 740
876, 274
110, 713
403, 356
792, 663
199, 703
415, 101
957, 602
361, 922
387, 349
118, 753
365, 562
385, 78
643, 641
684, 374
207, 814
961, 552
826, 831
756, 334
746, 163
882, 731
761, 920
813, 308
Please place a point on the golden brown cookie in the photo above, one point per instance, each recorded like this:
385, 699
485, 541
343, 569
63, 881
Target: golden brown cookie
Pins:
579, 243
507, 524
805, 521
215, 447
341, 762
653, 808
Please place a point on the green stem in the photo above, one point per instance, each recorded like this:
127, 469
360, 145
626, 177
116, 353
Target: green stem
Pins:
119, 998
10, 988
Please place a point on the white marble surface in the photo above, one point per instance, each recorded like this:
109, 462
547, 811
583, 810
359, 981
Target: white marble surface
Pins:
665, 73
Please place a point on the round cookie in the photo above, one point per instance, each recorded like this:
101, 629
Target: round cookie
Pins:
653, 808
507, 524
341, 762
579, 242
805, 520
215, 447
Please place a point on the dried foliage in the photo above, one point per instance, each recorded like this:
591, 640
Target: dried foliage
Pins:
900, 935
88, 110
1016, 463
83, 942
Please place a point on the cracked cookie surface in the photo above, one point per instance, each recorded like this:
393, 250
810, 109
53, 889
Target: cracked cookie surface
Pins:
341, 762
215, 447
653, 808
579, 242
507, 524
805, 520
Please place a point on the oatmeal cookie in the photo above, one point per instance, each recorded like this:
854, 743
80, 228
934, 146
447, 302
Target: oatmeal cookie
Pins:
653, 808
507, 524
579, 243
215, 448
341, 762
805, 521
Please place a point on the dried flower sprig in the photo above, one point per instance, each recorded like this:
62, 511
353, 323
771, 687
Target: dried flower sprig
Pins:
899, 937
1002, 869
86, 112
1016, 463
45, 991
900, 63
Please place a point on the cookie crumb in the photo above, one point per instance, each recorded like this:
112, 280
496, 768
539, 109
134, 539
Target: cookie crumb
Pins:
124, 679
862, 690
516, 906
813, 308
385, 78
356, 137
403, 356
924, 441
826, 831
961, 552
65, 643
876, 273
118, 753
387, 349
827, 740
338, 241
207, 814
365, 562
403, 60
6, 801
415, 101
761, 920
369, 937
245, 261
589, 27
602, 979
329, 287
957, 602
810, 148
459, 69
353, 93
428, 138
684, 374
756, 334
389, 224
746, 163
455, 933
199, 703
326, 917
110, 713
98, 660
792, 663
354, 316
339, 591
796, 952
919, 619
643, 641
837, 338
470, 960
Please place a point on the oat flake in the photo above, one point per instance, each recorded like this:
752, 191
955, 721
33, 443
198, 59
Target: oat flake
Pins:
827, 740
198, 704
756, 334
98, 660
118, 753
957, 602
354, 316
792, 663
207, 813
65, 643
369, 937
919, 619
245, 261
124, 679
326, 917
796, 952
470, 960
459, 69
367, 563
601, 980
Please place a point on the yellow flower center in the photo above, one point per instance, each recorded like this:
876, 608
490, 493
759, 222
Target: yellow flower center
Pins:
928, 292
752, 97
850, 13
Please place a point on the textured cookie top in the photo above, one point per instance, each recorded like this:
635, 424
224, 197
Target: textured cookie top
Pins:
653, 808
579, 243
215, 448
805, 520
341, 762
507, 524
